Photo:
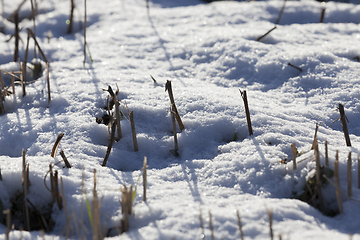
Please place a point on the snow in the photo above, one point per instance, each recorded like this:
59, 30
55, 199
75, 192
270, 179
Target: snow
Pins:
209, 52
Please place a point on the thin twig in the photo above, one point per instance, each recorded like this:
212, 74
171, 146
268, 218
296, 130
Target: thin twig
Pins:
48, 82
67, 164
318, 177
211, 226
293, 155
174, 108
280, 13
37, 44
111, 141
84, 33
56, 145
132, 123
315, 135
261, 37
16, 53
326, 153
343, 119
240, 225
298, 68
322, 15
144, 178
247, 112
172, 113
202, 225
71, 16
349, 177
270, 215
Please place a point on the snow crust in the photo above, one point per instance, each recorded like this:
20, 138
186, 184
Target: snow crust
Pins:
209, 52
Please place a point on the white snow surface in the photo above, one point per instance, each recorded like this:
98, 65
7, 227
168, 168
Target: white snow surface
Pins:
209, 52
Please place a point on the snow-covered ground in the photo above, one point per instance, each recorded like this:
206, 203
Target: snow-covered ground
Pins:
209, 52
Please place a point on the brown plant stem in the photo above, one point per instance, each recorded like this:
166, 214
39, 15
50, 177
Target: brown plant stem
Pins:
337, 182
318, 172
322, 15
349, 176
268, 32
240, 225
326, 153
343, 119
16, 34
174, 108
144, 178
71, 16
132, 123
67, 164
280, 13
48, 82
247, 112
298, 68
111, 142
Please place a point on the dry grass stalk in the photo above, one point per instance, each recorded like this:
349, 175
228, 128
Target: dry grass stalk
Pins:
12, 79
261, 37
37, 44
131, 116
294, 155
16, 34
270, 215
67, 164
71, 16
174, 108
148, 8
2, 81
349, 176
318, 176
343, 119
315, 136
322, 15
126, 207
111, 142
48, 81
33, 11
25, 178
240, 225
144, 178
56, 145
56, 190
172, 113
298, 68
280, 13
7, 212
117, 115
2, 107
22, 67
68, 228
202, 225
85, 16
2, 27
52, 187
23, 73
96, 225
326, 153
337, 181
211, 226
247, 112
